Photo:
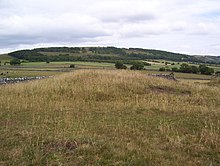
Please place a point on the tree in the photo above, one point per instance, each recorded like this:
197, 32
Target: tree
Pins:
15, 62
175, 69
146, 64
206, 70
120, 65
137, 66
185, 68
72, 66
84, 50
194, 69
162, 69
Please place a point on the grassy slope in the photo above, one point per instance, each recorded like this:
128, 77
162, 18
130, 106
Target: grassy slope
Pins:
109, 118
5, 57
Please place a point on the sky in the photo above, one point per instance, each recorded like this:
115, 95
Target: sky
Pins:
183, 26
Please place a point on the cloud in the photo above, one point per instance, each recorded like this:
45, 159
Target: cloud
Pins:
180, 26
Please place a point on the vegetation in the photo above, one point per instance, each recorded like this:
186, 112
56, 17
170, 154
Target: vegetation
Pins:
186, 68
162, 69
120, 65
124, 118
15, 62
137, 66
206, 70
106, 54
72, 66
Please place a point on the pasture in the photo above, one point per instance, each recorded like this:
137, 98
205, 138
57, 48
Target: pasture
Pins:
109, 117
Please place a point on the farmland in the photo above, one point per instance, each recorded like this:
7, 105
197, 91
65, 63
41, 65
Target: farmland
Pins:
55, 60
54, 68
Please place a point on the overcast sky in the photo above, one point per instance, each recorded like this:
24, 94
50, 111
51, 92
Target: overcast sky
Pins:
185, 26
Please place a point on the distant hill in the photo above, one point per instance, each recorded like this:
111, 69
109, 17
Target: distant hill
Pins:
107, 54
5, 57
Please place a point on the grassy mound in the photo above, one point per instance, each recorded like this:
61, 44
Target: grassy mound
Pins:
109, 118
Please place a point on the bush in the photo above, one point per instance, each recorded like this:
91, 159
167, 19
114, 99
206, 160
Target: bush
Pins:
72, 66
120, 65
162, 69
185, 68
194, 69
137, 66
15, 62
175, 69
146, 64
206, 70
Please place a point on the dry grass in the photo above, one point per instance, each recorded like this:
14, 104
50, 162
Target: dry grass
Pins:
109, 118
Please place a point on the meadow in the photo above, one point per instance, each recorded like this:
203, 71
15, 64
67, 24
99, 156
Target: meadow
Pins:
109, 117
54, 68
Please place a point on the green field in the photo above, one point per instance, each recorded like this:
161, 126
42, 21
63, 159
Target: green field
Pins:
66, 64
48, 69
52, 68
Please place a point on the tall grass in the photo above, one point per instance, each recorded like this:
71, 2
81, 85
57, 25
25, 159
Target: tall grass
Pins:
109, 118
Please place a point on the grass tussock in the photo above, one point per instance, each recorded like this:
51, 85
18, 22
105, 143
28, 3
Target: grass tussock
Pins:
109, 118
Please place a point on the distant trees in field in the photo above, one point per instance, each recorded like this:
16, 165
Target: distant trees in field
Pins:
206, 70
162, 69
15, 62
137, 66
72, 66
185, 68
120, 65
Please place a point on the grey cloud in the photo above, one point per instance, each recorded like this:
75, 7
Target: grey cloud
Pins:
125, 23
134, 18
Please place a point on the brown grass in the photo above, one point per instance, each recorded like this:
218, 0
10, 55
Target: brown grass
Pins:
109, 118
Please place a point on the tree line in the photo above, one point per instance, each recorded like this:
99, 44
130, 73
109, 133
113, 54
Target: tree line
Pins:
185, 68
105, 54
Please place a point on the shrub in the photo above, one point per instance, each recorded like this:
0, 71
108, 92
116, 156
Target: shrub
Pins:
72, 66
146, 64
194, 69
15, 62
162, 69
206, 70
137, 66
120, 65
175, 69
